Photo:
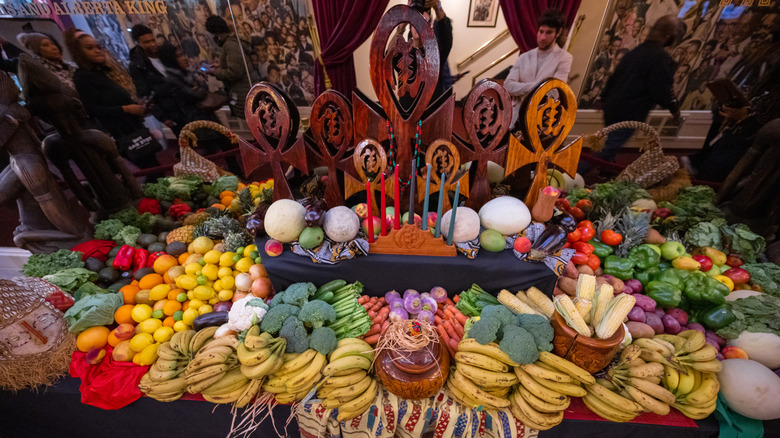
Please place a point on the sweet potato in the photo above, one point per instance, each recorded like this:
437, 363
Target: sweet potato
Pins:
584, 269
568, 285
558, 291
570, 271
640, 330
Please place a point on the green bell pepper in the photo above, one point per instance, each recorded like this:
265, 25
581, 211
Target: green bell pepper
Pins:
600, 249
644, 277
666, 295
619, 267
716, 317
664, 265
671, 276
644, 256
702, 293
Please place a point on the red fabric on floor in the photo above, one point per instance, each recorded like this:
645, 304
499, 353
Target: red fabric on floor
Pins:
578, 411
109, 384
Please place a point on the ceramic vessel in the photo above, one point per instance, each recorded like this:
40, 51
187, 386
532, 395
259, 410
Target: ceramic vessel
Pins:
592, 354
416, 374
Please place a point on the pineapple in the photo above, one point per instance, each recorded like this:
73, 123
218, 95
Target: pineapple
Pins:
634, 227
245, 203
233, 241
217, 227
196, 218
181, 234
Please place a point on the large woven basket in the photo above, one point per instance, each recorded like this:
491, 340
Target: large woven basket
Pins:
192, 163
652, 167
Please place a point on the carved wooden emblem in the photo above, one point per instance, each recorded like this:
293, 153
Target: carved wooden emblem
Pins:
369, 161
549, 114
273, 120
443, 156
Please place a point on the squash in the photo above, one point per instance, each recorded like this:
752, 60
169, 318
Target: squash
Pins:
763, 348
284, 220
505, 214
466, 225
750, 388
341, 224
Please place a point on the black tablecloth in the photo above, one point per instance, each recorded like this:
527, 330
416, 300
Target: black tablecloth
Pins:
380, 273
56, 412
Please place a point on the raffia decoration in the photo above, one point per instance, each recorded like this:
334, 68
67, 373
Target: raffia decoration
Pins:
192, 163
667, 189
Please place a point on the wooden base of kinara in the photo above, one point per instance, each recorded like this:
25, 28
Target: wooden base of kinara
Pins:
411, 240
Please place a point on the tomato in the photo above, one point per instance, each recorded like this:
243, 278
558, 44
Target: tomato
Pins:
575, 236
611, 238
585, 204
562, 203
594, 262
579, 258
585, 224
583, 247
567, 245
577, 213
586, 233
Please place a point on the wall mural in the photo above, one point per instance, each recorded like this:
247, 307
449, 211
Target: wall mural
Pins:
724, 39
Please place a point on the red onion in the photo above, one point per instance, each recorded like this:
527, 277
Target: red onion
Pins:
223, 306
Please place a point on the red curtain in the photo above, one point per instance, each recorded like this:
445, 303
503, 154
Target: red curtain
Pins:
343, 25
520, 16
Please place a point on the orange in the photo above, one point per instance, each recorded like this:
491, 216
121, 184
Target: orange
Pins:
149, 281
169, 322
163, 263
185, 305
226, 201
171, 306
183, 257
226, 193
93, 337
135, 282
218, 206
123, 314
112, 339
128, 293
174, 293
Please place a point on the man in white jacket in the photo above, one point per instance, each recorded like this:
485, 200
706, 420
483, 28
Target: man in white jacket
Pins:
545, 61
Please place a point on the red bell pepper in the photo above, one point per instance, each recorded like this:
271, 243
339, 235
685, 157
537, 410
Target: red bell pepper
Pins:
140, 259
124, 258
583, 247
98, 249
178, 209
149, 205
152, 257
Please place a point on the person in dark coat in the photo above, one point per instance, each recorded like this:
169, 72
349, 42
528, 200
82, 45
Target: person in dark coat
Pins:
107, 91
148, 73
642, 80
9, 56
233, 64
186, 90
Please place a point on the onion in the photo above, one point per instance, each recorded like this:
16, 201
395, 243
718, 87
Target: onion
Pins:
426, 316
256, 271
398, 314
429, 304
392, 295
243, 282
262, 288
439, 294
223, 306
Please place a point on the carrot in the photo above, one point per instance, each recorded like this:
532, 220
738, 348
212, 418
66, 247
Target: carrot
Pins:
440, 313
385, 325
372, 314
452, 344
443, 333
438, 320
374, 329
376, 307
448, 313
382, 300
456, 338
379, 319
450, 329
459, 315
367, 306
449, 302
363, 299
384, 310
373, 339
456, 298
458, 328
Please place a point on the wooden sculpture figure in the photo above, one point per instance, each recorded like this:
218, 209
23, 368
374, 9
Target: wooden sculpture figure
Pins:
93, 151
546, 121
273, 120
487, 114
48, 221
443, 157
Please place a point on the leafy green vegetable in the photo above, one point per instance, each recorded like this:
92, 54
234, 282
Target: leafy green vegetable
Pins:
40, 265
226, 182
612, 197
577, 194
170, 188
107, 229
158, 190
129, 216
92, 311
766, 275
760, 314
694, 204
704, 234
127, 235
739, 239
88, 289
71, 279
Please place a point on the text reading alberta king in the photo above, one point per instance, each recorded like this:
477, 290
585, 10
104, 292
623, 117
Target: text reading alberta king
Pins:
84, 8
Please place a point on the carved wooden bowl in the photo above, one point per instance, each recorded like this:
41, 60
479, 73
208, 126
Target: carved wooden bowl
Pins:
592, 354
414, 375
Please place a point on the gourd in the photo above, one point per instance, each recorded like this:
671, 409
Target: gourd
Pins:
505, 214
763, 348
341, 224
466, 225
284, 220
750, 388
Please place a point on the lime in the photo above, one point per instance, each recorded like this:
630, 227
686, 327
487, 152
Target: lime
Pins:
182, 297
159, 314
178, 315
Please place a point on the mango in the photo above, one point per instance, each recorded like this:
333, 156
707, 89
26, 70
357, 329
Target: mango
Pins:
312, 237
718, 257
492, 240
122, 352
686, 263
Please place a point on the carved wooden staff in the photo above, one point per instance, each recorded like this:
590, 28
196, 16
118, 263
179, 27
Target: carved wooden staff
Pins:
443, 157
369, 161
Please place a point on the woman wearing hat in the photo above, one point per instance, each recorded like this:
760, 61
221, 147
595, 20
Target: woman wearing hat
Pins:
48, 52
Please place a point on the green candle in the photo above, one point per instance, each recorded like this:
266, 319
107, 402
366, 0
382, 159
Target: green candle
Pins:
425, 203
437, 233
452, 217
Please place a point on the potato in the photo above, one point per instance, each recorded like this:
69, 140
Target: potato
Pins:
617, 285
600, 281
568, 285
598, 272
640, 330
584, 269
571, 271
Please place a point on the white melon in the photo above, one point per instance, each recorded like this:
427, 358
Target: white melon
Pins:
341, 224
505, 214
466, 225
284, 220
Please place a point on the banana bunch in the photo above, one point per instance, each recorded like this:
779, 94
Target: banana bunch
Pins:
260, 354
544, 390
690, 348
164, 381
640, 381
296, 377
604, 400
213, 359
481, 376
347, 385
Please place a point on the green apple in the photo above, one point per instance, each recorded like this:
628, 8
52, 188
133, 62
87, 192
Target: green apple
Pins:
671, 250
714, 271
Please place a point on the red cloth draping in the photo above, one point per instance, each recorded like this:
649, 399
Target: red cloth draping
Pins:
520, 16
109, 384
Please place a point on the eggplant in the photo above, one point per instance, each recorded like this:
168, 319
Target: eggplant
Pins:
211, 319
549, 242
565, 220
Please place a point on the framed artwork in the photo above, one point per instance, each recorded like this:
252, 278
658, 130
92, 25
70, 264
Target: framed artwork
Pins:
483, 13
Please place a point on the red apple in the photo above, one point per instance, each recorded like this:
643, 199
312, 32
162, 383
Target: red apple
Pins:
734, 261
562, 203
662, 213
361, 210
732, 352
124, 331
738, 275
704, 261
522, 245
431, 220
377, 225
417, 219
550, 190
273, 247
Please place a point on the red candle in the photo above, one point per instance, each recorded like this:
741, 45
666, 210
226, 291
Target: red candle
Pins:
383, 204
397, 202
370, 219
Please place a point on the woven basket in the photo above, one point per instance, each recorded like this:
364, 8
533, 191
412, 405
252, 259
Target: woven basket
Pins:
652, 167
192, 163
668, 188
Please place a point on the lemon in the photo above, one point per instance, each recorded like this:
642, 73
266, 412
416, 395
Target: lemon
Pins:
141, 341
195, 303
214, 300
179, 326
206, 308
248, 249
141, 312
210, 271
150, 325
186, 282
244, 264
226, 259
225, 295
159, 292
227, 283
202, 245
217, 285
203, 293
192, 268
212, 257
225, 271
147, 356
190, 295
163, 334
189, 315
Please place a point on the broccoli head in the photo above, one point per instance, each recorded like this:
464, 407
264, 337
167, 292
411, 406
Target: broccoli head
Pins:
485, 330
295, 333
276, 316
107, 229
323, 339
298, 293
518, 344
316, 313
540, 328
499, 313
127, 235
277, 299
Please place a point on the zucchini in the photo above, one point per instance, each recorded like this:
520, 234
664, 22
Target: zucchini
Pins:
331, 286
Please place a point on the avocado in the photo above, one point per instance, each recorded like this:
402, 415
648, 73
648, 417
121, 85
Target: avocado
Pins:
165, 205
126, 275
108, 275
114, 287
176, 248
109, 262
93, 264
162, 236
145, 240
492, 240
311, 237
156, 247
114, 251
213, 210
139, 274
165, 224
